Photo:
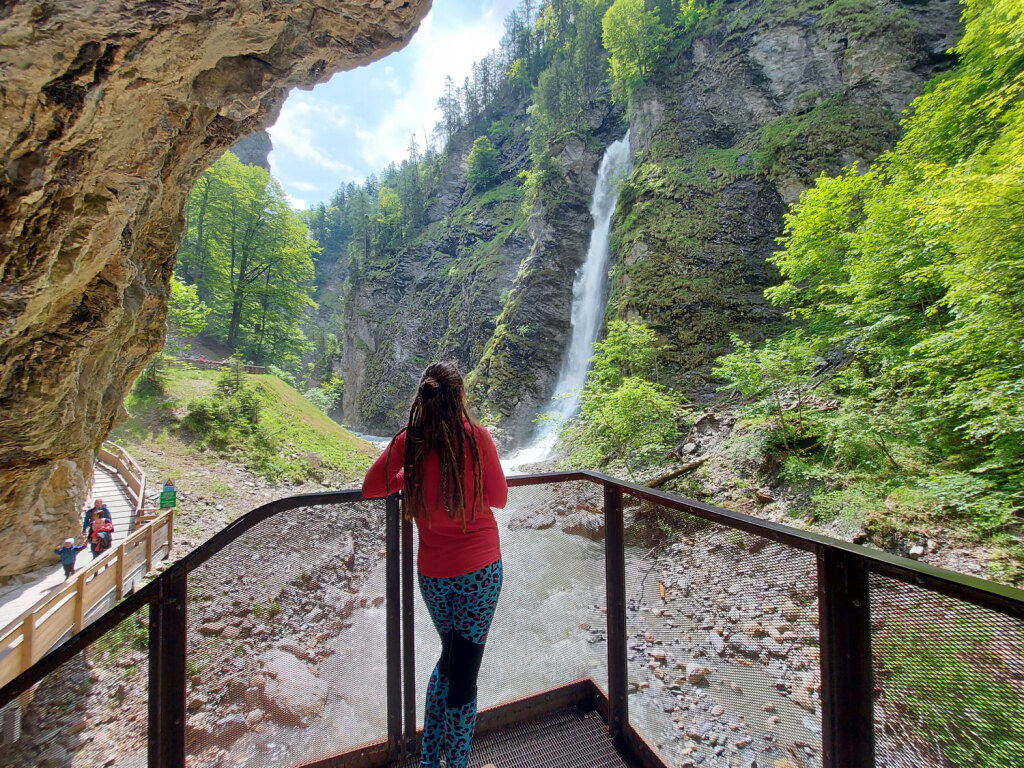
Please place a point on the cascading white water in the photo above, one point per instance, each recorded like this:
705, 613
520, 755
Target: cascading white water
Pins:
588, 299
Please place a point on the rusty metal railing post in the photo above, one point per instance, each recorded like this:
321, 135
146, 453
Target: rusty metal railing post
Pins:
168, 638
408, 643
847, 708
394, 638
615, 583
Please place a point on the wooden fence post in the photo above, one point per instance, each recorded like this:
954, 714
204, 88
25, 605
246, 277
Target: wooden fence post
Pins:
170, 531
120, 570
28, 627
149, 548
80, 603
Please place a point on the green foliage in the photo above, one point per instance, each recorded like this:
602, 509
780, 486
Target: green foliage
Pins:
629, 349
907, 279
269, 427
249, 258
623, 413
132, 634
938, 679
283, 375
327, 396
634, 38
186, 314
153, 379
635, 421
916, 268
482, 165
776, 376
270, 611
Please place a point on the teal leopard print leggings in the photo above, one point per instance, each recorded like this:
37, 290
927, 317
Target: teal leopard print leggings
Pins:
461, 608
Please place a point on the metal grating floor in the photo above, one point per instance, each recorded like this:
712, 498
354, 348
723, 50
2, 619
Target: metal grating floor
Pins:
572, 738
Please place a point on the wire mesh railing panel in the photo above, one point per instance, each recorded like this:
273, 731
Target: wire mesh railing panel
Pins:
90, 711
286, 640
550, 625
722, 642
949, 681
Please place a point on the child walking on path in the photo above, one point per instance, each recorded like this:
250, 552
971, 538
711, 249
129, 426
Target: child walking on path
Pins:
448, 469
68, 552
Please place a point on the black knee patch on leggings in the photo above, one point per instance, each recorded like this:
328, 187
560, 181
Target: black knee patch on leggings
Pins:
460, 662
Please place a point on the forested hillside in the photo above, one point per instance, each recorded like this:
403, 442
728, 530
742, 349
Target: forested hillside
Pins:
813, 309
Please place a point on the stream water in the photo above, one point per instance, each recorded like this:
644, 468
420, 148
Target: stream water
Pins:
549, 628
589, 291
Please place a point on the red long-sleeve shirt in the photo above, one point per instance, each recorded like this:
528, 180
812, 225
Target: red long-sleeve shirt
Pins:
445, 550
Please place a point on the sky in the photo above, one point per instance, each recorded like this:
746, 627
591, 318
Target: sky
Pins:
361, 120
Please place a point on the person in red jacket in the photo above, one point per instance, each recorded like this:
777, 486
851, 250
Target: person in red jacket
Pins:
447, 467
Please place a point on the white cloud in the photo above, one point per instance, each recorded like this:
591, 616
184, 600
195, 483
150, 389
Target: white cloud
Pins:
294, 132
436, 54
361, 121
304, 186
297, 203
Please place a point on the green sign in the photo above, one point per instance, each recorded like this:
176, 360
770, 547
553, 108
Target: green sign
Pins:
168, 497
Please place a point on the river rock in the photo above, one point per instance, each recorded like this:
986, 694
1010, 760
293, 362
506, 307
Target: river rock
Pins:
696, 674
586, 525
292, 694
529, 517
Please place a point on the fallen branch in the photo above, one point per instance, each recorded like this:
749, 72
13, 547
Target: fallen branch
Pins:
688, 467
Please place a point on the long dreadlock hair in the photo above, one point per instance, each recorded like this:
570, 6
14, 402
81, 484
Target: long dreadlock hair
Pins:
437, 423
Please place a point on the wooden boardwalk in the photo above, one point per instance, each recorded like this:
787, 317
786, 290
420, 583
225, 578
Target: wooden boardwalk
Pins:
45, 608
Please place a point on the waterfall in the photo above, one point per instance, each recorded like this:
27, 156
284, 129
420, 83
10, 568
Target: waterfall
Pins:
588, 300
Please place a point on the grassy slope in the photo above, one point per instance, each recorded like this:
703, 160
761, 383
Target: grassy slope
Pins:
302, 427
307, 441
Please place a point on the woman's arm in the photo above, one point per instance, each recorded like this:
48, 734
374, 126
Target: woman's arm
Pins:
495, 487
386, 475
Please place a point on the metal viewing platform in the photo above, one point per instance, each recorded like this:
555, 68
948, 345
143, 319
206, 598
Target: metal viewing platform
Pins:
745, 643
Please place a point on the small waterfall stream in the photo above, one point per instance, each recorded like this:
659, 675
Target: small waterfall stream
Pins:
588, 300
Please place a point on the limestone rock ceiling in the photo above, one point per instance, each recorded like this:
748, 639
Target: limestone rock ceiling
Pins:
108, 113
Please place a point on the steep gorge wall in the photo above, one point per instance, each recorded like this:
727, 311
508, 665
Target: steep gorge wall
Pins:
489, 284
768, 98
108, 113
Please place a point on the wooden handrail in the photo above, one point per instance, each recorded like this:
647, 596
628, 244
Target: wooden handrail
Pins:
217, 364
46, 622
131, 473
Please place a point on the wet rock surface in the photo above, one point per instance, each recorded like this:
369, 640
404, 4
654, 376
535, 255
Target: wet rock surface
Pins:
567, 509
108, 113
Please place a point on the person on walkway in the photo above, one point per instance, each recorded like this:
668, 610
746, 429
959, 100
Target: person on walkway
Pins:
101, 535
98, 509
447, 467
68, 552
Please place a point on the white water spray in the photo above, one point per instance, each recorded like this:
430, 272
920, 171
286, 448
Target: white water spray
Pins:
588, 299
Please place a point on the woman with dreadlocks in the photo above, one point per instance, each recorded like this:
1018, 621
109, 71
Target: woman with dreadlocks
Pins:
447, 467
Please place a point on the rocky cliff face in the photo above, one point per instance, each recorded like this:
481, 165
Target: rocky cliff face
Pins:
437, 299
726, 135
254, 149
516, 376
751, 114
489, 285
108, 113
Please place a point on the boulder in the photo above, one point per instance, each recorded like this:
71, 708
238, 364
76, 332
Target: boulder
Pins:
586, 525
697, 674
292, 694
529, 517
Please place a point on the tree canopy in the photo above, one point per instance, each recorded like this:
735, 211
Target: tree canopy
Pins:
250, 259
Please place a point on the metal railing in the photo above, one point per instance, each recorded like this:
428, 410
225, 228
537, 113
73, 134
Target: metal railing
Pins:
864, 616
